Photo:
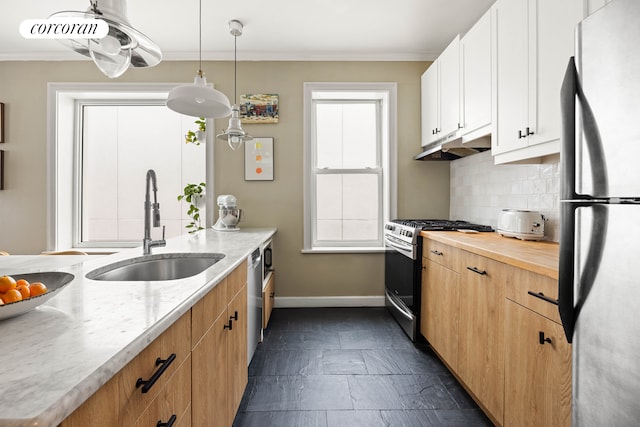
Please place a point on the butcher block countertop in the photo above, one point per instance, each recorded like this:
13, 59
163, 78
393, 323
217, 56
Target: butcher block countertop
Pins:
537, 256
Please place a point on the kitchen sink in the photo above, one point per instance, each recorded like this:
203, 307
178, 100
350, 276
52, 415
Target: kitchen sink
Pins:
158, 267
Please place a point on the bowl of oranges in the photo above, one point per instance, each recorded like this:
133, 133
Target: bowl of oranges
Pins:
20, 293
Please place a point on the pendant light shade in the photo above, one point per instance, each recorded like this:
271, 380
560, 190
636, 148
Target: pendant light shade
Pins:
234, 134
199, 99
121, 48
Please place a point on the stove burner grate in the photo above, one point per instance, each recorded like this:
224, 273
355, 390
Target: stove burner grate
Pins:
442, 224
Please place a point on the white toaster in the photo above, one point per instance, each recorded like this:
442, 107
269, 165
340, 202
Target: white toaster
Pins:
521, 224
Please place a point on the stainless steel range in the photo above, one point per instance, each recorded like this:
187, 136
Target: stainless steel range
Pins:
403, 266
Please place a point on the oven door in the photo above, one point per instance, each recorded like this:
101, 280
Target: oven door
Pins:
402, 286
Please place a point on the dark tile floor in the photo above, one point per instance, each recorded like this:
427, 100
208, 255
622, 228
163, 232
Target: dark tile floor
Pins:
333, 367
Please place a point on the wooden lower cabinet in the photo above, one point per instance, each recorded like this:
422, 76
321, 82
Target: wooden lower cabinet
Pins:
204, 384
210, 377
220, 371
537, 370
119, 402
484, 319
268, 299
481, 331
440, 308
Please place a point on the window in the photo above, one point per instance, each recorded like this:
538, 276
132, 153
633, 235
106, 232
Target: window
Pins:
349, 157
120, 141
105, 138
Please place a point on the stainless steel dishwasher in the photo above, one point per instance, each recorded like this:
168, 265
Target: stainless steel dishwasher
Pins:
254, 302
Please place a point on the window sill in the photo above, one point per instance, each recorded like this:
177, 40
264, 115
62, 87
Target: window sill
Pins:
100, 251
345, 250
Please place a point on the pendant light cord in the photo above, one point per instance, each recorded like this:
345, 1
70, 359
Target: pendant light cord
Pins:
235, 69
200, 35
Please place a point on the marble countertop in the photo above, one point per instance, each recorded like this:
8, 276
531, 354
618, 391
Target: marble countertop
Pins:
55, 357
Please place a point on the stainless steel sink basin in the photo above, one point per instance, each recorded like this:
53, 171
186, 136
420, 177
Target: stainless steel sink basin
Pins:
156, 267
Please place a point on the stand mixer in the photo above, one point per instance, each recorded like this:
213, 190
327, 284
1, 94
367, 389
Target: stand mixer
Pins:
228, 213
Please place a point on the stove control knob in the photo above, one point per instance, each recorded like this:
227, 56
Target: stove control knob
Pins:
409, 233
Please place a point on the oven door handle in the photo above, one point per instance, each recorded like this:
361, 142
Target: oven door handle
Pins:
402, 311
406, 250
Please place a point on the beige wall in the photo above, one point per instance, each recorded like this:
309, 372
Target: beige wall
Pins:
423, 186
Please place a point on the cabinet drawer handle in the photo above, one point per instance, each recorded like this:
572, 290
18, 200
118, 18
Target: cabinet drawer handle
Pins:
520, 135
230, 325
235, 316
168, 423
164, 364
543, 297
475, 270
272, 295
542, 339
437, 252
529, 132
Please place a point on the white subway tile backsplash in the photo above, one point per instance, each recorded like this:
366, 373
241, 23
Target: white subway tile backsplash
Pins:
480, 190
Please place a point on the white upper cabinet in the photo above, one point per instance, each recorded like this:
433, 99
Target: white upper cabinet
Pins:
440, 95
450, 88
430, 99
475, 65
533, 42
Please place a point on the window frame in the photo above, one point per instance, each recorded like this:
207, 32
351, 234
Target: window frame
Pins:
386, 96
62, 174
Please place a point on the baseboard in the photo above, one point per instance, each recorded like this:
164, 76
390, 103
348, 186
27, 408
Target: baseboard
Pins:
303, 302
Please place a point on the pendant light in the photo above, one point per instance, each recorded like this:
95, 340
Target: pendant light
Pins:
234, 134
121, 48
198, 99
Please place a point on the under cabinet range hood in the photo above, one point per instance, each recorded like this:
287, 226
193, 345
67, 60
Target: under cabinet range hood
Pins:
454, 149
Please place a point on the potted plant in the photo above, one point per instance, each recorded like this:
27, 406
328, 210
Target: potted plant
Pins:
192, 194
198, 136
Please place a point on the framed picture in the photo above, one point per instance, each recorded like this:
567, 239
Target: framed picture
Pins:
259, 108
1, 122
1, 169
258, 159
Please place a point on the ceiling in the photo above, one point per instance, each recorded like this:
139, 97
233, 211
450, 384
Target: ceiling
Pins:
387, 30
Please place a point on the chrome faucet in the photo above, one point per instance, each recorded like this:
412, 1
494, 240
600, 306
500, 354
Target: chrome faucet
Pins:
147, 243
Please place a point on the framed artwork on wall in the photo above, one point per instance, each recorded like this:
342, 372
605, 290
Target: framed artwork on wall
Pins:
259, 108
1, 169
258, 159
1, 122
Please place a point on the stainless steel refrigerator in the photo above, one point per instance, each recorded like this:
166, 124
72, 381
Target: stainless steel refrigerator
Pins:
599, 286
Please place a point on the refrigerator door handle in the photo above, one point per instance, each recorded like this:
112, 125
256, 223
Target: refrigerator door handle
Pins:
567, 274
568, 93
571, 91
566, 268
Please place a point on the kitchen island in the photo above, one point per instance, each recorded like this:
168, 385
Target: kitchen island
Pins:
58, 355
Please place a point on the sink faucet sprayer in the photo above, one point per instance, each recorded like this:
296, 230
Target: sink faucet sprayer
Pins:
147, 243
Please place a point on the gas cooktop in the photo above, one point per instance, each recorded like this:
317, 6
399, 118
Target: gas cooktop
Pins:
441, 224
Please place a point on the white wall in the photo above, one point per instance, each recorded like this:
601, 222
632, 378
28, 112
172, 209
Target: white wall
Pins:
480, 189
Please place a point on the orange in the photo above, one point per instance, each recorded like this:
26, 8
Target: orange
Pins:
7, 283
37, 288
24, 290
12, 295
21, 282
